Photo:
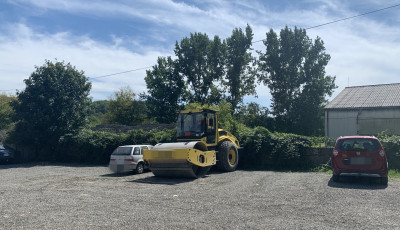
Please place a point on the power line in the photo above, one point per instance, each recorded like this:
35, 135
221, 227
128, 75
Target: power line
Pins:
312, 27
344, 19
108, 75
128, 71
324, 24
7, 90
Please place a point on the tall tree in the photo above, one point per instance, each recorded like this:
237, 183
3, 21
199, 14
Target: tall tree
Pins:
166, 90
123, 108
252, 115
6, 111
201, 63
240, 76
55, 102
97, 112
293, 67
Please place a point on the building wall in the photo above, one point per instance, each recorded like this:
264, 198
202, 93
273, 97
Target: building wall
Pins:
361, 122
340, 123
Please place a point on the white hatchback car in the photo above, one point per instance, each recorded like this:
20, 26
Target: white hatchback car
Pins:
128, 158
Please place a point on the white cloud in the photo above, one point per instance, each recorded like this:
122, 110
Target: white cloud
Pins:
23, 49
363, 50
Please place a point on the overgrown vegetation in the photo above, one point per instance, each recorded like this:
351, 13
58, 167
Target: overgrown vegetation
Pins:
55, 102
124, 108
280, 151
95, 147
391, 144
394, 174
53, 118
6, 111
293, 68
262, 149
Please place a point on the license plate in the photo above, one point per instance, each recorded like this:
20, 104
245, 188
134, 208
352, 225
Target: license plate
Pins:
360, 161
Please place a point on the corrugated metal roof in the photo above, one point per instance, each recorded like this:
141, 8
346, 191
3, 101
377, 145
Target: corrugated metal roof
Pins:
370, 96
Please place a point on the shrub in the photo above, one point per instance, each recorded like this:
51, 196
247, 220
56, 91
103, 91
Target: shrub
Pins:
262, 149
95, 147
288, 151
88, 146
391, 144
281, 151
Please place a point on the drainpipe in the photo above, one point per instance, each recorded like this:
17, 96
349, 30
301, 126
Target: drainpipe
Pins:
358, 124
326, 123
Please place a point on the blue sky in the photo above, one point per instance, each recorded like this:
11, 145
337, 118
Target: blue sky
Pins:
110, 36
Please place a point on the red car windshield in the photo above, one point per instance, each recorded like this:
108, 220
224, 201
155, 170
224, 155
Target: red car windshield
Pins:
358, 144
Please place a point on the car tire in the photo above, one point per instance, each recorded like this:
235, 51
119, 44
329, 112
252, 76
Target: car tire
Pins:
384, 180
139, 168
227, 157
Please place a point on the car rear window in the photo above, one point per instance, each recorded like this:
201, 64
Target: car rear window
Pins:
122, 151
358, 144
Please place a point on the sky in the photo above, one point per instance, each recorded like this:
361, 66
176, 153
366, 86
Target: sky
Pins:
105, 37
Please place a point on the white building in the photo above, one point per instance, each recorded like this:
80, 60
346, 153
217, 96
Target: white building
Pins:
364, 110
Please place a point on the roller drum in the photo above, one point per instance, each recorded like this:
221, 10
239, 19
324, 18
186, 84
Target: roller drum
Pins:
181, 159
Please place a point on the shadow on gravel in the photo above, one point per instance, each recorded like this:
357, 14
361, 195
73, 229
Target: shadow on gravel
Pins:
118, 174
23, 165
35, 164
365, 183
124, 174
162, 180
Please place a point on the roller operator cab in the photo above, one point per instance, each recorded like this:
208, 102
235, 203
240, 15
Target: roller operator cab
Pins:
200, 145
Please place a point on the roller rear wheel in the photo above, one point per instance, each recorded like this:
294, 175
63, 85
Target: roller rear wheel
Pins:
227, 157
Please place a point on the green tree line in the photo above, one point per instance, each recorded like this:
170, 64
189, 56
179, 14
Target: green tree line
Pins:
206, 71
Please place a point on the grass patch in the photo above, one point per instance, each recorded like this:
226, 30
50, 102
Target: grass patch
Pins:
394, 174
322, 168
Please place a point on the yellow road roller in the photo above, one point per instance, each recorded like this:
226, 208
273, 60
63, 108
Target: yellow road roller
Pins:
200, 145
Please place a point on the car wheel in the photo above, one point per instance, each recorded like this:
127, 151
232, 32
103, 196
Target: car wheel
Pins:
139, 168
384, 180
336, 178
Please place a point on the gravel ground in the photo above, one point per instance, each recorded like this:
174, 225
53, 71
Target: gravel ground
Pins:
84, 197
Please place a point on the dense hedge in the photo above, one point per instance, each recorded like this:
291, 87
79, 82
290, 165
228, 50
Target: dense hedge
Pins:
263, 149
391, 144
95, 147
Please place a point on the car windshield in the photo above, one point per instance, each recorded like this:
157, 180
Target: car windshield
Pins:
122, 151
358, 144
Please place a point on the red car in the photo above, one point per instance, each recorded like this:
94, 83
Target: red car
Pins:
359, 156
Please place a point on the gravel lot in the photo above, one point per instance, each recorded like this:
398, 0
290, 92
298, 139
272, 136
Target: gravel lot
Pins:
84, 197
